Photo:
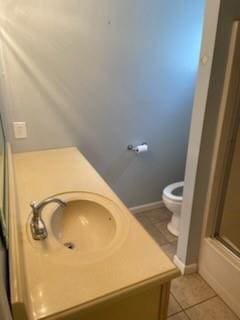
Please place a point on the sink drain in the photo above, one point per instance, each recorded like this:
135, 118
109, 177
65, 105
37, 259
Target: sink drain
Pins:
69, 245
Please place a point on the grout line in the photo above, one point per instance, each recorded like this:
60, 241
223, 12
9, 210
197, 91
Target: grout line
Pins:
176, 300
153, 225
182, 311
203, 301
215, 296
187, 315
168, 242
195, 304
174, 314
185, 309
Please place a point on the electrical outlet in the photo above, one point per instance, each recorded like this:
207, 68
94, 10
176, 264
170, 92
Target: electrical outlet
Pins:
20, 130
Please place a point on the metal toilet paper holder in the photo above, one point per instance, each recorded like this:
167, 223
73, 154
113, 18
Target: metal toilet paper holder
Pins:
135, 148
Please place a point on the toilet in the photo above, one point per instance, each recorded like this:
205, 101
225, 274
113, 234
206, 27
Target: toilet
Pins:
172, 198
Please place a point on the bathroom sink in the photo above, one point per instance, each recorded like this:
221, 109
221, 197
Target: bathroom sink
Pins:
83, 225
89, 228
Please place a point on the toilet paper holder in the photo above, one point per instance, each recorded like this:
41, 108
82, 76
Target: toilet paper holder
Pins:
143, 147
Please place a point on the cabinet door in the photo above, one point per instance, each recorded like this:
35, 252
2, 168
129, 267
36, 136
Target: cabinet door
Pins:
148, 304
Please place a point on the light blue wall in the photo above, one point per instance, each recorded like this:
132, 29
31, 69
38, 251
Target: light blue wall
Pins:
101, 75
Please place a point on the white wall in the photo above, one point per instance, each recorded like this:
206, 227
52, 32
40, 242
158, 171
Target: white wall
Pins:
101, 75
191, 221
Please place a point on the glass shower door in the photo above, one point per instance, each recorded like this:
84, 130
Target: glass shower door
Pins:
228, 225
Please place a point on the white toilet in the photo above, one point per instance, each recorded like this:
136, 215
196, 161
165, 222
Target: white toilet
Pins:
172, 198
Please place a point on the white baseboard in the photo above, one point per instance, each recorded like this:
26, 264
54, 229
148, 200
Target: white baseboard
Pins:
185, 269
147, 206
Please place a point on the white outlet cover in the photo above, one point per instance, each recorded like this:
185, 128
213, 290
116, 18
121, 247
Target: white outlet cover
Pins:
20, 130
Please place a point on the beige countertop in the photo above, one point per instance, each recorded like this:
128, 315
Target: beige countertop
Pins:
56, 282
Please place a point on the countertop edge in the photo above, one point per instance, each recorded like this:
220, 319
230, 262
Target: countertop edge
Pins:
16, 273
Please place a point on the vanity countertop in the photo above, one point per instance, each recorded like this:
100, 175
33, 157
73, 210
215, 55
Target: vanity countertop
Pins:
56, 283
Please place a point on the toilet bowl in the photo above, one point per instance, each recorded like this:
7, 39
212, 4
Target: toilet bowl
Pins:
172, 198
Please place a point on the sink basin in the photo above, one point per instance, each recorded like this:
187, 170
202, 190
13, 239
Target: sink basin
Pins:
83, 225
89, 228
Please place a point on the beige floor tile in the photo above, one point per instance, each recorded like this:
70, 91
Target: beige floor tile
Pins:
152, 230
213, 309
190, 290
157, 235
162, 227
159, 215
170, 249
143, 220
173, 306
139, 215
179, 316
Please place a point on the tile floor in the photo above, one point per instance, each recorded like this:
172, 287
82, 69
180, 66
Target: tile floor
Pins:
191, 297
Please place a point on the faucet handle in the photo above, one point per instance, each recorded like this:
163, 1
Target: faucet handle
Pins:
34, 206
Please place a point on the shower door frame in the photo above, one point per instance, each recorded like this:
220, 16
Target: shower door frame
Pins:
228, 122
228, 133
217, 263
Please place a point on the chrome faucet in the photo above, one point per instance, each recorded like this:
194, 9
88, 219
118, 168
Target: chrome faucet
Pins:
38, 227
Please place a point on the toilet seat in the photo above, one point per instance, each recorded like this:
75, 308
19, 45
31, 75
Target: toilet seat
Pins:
168, 191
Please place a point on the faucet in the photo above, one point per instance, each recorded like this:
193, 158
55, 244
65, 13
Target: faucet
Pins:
38, 227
